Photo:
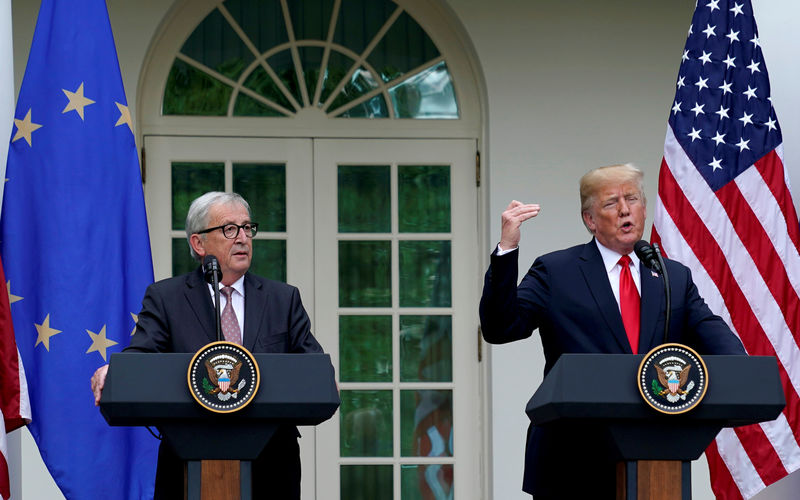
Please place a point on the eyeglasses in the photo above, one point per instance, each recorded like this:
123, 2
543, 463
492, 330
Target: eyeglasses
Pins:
231, 231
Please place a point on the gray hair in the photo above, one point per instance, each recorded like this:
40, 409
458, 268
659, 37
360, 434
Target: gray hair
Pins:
619, 174
197, 218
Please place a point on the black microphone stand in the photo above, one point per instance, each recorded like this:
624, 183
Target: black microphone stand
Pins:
215, 286
667, 297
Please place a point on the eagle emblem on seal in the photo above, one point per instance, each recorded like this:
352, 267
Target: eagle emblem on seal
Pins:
674, 379
223, 377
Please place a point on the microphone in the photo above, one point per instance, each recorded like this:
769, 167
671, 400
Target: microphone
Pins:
648, 256
211, 269
213, 275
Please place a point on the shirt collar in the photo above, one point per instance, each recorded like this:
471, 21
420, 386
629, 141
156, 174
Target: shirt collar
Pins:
611, 258
237, 285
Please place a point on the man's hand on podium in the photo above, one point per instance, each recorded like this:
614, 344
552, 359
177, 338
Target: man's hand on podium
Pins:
98, 381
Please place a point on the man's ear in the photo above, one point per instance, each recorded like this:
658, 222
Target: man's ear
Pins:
198, 244
589, 221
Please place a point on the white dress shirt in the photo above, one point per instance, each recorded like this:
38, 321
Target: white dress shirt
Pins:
238, 301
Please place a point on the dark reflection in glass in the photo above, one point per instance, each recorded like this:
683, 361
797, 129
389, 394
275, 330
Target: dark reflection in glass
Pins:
269, 259
365, 278
261, 20
426, 482
189, 91
283, 65
361, 82
263, 185
404, 47
365, 482
259, 81
425, 276
364, 199
190, 180
311, 18
182, 261
424, 198
359, 22
365, 426
365, 348
426, 349
216, 45
428, 94
426, 423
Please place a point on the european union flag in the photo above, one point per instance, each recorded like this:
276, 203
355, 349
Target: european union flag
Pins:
75, 248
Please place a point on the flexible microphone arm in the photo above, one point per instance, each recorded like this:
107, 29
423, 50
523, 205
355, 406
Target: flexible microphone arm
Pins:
213, 274
667, 295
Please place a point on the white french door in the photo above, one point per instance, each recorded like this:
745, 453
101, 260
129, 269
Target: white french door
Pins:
380, 237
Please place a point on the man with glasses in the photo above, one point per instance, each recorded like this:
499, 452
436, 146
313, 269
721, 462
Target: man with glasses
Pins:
178, 316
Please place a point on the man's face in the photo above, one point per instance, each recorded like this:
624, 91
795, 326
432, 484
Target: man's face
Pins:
233, 254
616, 218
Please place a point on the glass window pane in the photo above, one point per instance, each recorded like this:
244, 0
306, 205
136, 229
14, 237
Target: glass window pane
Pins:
365, 424
338, 66
263, 185
283, 65
214, 44
247, 106
311, 58
366, 482
259, 81
364, 199
189, 91
190, 180
426, 423
261, 20
424, 199
426, 349
365, 277
365, 348
374, 107
428, 94
404, 47
360, 83
311, 18
424, 482
269, 259
359, 22
182, 261
425, 274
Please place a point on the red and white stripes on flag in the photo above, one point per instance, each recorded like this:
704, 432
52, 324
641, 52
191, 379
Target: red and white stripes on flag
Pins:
15, 408
742, 246
725, 210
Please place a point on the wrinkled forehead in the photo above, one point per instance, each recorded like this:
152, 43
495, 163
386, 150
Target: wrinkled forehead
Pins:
223, 213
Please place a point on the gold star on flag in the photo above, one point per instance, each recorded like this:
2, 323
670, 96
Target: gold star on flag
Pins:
11, 297
45, 332
124, 116
76, 101
135, 320
25, 128
99, 342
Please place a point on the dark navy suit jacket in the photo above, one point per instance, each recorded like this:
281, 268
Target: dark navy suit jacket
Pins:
178, 316
567, 296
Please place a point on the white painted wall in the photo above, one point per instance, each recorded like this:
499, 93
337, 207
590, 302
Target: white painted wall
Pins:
571, 85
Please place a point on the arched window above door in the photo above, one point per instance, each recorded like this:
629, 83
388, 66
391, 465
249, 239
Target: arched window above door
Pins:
276, 58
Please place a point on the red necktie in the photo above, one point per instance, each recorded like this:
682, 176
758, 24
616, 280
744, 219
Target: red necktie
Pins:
230, 325
629, 302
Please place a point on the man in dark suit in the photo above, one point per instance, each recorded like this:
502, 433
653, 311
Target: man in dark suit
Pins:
178, 316
578, 299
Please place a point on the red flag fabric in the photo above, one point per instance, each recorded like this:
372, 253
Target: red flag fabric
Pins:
725, 210
14, 404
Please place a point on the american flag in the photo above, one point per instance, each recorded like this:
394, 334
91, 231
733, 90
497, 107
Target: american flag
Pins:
724, 209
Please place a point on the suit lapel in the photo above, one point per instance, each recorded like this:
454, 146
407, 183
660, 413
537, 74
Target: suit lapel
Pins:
255, 306
652, 303
594, 272
200, 302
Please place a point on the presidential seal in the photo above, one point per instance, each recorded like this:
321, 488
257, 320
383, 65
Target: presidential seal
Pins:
223, 377
672, 378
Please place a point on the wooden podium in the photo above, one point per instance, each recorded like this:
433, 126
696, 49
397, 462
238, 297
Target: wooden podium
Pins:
151, 390
653, 450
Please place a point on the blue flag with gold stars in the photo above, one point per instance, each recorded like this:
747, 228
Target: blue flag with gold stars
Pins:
75, 248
